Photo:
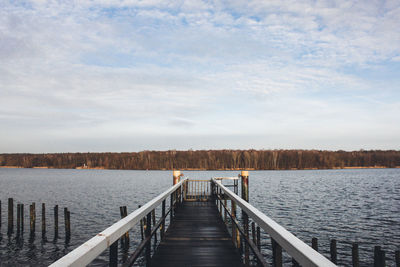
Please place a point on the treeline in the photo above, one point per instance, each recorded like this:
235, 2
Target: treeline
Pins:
208, 159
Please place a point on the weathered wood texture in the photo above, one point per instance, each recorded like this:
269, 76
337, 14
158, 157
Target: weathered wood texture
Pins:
197, 237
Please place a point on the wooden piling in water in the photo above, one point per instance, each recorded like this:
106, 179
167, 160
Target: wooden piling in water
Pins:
43, 220
18, 219
314, 243
67, 224
113, 256
397, 258
125, 237
55, 221
0, 214
22, 218
354, 255
31, 220
245, 186
258, 238
379, 257
10, 227
333, 251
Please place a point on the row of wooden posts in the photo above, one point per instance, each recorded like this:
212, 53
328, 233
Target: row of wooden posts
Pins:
143, 225
32, 220
379, 254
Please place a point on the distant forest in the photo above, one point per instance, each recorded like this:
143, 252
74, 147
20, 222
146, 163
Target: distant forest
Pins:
208, 160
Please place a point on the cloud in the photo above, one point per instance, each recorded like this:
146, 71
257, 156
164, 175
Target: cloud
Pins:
129, 68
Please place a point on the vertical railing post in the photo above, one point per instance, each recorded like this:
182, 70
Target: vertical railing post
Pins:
253, 232
233, 212
113, 262
276, 254
171, 212
153, 215
246, 244
163, 222
148, 235
225, 211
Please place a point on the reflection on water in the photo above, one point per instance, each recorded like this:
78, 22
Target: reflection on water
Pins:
348, 205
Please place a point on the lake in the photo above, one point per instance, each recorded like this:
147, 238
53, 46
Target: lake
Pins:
361, 205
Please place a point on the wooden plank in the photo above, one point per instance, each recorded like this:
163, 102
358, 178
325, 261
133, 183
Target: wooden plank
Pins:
197, 237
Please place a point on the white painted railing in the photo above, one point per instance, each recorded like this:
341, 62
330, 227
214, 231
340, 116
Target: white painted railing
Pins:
300, 251
87, 252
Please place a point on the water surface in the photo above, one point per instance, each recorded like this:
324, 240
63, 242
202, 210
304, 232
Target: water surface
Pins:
349, 205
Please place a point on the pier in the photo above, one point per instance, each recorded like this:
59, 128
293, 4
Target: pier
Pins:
201, 223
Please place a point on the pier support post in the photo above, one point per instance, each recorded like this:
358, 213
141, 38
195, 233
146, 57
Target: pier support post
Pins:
379, 257
176, 176
354, 255
32, 217
276, 254
397, 258
333, 251
148, 236
43, 220
22, 218
18, 219
10, 216
314, 243
113, 261
55, 222
245, 185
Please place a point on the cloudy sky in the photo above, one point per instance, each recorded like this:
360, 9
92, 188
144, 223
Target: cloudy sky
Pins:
126, 75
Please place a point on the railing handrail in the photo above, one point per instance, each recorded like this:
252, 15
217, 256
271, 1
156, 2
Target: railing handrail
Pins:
88, 251
226, 178
300, 251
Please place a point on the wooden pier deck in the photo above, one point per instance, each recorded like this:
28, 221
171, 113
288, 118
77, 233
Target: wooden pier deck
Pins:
197, 234
197, 237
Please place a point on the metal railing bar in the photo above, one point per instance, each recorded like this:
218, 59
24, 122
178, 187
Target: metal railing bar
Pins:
252, 245
142, 244
300, 251
226, 178
87, 252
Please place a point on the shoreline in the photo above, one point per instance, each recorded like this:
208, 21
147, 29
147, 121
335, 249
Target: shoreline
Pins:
202, 169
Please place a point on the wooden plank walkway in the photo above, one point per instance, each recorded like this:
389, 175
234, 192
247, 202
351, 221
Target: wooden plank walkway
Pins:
197, 237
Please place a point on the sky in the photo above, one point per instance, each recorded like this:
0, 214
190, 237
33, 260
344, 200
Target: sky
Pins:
129, 75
